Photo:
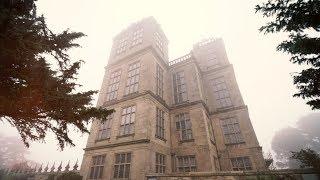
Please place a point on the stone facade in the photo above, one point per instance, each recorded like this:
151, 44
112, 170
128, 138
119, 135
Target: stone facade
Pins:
170, 117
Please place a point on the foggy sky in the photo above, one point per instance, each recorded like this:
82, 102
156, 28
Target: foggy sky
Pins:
262, 73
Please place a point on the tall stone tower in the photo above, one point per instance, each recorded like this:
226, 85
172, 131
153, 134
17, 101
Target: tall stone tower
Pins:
170, 117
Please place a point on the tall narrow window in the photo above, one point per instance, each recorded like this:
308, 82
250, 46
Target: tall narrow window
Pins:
160, 163
160, 124
122, 165
96, 169
127, 120
137, 37
122, 45
183, 124
180, 88
186, 163
210, 130
212, 59
133, 78
159, 81
241, 163
221, 93
231, 131
113, 87
159, 41
105, 128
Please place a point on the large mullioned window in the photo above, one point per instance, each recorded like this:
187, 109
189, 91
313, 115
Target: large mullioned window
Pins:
96, 170
186, 163
241, 163
159, 81
122, 45
105, 128
137, 37
160, 124
113, 87
231, 130
213, 60
159, 41
133, 78
122, 166
127, 120
221, 93
180, 88
183, 125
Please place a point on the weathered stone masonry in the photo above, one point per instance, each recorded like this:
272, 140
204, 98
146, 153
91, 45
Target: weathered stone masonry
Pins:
170, 117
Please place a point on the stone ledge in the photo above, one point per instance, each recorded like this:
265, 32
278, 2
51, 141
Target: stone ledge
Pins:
140, 141
236, 173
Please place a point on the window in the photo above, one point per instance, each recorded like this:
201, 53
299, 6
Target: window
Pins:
122, 45
211, 134
186, 163
113, 85
137, 37
183, 124
216, 163
133, 78
127, 120
160, 163
97, 167
159, 81
241, 163
122, 165
105, 128
212, 59
160, 124
221, 93
180, 88
231, 130
159, 41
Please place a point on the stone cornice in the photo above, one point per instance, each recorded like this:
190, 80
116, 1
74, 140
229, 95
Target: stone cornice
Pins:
139, 141
157, 98
132, 55
229, 109
216, 69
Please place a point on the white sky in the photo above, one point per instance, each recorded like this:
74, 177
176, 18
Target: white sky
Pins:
263, 74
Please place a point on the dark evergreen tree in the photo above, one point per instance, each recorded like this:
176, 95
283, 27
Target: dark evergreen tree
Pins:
308, 158
38, 78
301, 19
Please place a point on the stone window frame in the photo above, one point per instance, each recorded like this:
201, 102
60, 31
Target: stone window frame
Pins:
211, 130
124, 164
184, 163
122, 45
133, 76
113, 85
242, 163
97, 166
221, 92
231, 130
213, 60
160, 163
160, 124
159, 41
216, 162
184, 126
127, 120
104, 131
159, 81
180, 87
137, 36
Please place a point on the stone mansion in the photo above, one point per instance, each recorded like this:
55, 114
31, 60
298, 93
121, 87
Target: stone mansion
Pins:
171, 117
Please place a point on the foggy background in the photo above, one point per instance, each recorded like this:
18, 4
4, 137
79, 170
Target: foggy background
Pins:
263, 74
